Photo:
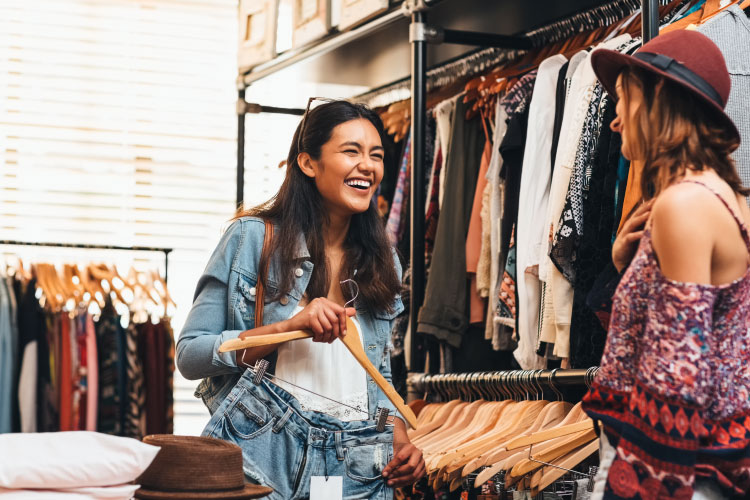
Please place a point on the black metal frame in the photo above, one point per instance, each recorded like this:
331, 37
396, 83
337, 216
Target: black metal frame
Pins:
243, 108
166, 251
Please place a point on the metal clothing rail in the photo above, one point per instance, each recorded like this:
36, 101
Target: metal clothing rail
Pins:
481, 59
166, 251
509, 383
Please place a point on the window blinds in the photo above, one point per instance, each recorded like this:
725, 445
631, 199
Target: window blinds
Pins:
117, 121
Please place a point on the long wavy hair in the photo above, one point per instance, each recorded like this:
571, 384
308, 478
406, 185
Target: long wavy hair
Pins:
298, 209
673, 131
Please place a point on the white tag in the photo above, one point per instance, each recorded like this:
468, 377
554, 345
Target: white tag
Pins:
326, 489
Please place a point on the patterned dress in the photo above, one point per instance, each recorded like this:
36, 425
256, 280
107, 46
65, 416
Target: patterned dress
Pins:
673, 391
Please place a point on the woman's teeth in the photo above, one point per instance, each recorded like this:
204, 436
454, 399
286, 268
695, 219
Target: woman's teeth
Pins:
358, 184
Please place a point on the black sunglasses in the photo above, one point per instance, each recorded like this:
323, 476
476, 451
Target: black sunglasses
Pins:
304, 119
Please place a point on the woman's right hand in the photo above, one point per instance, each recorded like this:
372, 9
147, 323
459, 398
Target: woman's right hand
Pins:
324, 318
629, 236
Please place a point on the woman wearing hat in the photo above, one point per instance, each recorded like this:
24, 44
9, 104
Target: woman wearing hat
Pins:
673, 391
317, 419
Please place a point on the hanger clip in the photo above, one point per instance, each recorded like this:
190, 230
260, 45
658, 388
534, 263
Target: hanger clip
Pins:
382, 419
260, 370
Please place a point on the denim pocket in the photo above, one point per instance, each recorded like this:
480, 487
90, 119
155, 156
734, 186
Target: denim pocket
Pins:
365, 463
248, 418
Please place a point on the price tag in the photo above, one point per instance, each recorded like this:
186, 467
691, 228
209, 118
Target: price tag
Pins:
326, 489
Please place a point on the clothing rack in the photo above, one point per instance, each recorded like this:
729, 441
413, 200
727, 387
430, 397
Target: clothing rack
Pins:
478, 61
494, 49
419, 41
506, 383
101, 247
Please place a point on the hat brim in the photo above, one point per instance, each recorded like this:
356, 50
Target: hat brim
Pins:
249, 491
608, 64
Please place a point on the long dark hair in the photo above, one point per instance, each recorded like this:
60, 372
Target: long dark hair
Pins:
673, 131
298, 209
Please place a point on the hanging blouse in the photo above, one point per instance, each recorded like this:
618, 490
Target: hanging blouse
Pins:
673, 391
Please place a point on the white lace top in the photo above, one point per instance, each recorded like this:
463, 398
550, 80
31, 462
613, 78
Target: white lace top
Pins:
327, 369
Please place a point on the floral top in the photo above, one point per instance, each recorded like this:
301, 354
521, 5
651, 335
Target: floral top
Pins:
673, 390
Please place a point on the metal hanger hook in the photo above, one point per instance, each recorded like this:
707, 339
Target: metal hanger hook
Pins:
356, 288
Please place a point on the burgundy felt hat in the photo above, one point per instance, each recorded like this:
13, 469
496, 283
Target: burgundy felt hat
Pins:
196, 468
685, 57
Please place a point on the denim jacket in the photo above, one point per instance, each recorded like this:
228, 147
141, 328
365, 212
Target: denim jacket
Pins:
224, 307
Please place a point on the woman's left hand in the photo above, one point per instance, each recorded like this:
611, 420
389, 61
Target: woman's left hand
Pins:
407, 466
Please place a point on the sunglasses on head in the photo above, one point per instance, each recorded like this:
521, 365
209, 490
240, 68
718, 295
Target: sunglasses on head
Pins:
304, 119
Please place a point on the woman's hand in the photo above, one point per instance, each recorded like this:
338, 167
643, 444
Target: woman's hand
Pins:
627, 239
407, 466
324, 318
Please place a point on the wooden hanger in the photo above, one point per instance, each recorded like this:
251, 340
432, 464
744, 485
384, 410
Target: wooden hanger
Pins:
483, 421
549, 475
525, 414
546, 435
556, 413
438, 419
352, 342
559, 448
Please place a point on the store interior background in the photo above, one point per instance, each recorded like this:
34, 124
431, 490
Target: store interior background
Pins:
118, 124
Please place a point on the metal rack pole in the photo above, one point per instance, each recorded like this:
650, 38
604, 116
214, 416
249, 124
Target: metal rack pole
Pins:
418, 152
240, 149
649, 19
552, 378
166, 251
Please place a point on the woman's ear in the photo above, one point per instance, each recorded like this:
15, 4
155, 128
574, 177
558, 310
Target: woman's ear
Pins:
306, 164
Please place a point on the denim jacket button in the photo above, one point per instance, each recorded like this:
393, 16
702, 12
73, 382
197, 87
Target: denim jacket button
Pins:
252, 291
298, 272
284, 301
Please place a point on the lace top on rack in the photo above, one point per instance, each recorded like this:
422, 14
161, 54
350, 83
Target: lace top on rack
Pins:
673, 391
327, 369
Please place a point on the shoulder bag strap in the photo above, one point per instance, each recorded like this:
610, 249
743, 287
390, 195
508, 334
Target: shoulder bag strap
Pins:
260, 286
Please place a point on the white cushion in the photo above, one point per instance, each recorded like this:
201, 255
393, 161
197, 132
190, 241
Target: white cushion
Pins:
121, 492
77, 459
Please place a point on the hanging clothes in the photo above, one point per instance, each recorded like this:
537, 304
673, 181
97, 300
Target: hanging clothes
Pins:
533, 196
730, 31
474, 238
8, 355
494, 220
394, 218
587, 335
444, 113
516, 105
443, 314
557, 308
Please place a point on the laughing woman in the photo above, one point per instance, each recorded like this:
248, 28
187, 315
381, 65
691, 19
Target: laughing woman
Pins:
326, 230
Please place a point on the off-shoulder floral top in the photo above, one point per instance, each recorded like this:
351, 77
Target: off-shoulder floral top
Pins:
673, 390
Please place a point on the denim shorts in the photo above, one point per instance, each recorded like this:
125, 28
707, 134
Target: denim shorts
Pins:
283, 446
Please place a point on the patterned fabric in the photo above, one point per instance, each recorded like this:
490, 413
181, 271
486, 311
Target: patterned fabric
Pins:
517, 98
564, 247
402, 189
169, 360
135, 423
673, 390
433, 210
506, 297
109, 398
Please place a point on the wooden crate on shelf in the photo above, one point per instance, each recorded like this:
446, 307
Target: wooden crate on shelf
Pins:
257, 33
354, 12
312, 20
